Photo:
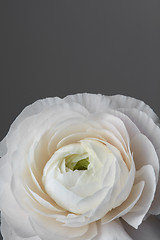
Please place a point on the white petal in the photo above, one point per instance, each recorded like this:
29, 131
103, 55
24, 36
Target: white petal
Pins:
120, 101
131, 127
71, 201
73, 138
96, 103
119, 125
65, 130
152, 131
33, 109
148, 230
111, 231
49, 229
3, 147
5, 175
144, 153
127, 186
127, 205
137, 213
145, 124
9, 234
14, 215
46, 204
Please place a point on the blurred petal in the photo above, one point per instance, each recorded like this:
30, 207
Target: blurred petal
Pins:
9, 234
3, 147
111, 231
148, 230
5, 175
14, 215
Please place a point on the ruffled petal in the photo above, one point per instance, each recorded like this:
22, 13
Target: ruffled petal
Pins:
120, 101
147, 126
96, 103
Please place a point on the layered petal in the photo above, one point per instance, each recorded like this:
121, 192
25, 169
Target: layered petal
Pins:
59, 197
9, 234
10, 209
137, 213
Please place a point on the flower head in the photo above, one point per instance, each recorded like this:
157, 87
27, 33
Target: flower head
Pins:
80, 168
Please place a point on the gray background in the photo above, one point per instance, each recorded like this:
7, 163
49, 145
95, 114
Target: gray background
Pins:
56, 48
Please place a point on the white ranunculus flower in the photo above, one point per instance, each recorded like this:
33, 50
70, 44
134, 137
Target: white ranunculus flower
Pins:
85, 167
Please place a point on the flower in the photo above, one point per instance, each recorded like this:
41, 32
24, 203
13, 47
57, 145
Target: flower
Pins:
85, 167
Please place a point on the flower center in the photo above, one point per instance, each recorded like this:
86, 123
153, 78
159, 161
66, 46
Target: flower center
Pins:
79, 176
77, 162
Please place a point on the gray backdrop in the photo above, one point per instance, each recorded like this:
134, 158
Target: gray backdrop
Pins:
56, 48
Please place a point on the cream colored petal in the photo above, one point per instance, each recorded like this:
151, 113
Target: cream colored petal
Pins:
111, 231
144, 153
50, 229
46, 204
65, 130
107, 203
37, 107
145, 124
120, 101
32, 202
152, 131
9, 234
96, 103
72, 138
71, 201
128, 185
111, 127
131, 127
118, 124
32, 128
137, 213
15, 216
113, 140
127, 205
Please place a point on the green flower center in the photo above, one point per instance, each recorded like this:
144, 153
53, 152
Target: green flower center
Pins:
77, 162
